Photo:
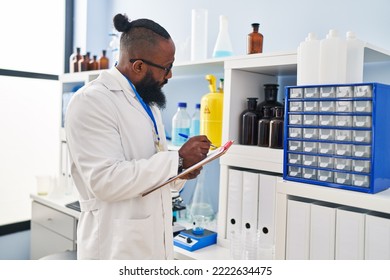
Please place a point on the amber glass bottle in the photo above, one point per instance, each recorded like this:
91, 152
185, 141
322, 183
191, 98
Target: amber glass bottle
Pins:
264, 127
248, 123
255, 40
103, 61
276, 129
74, 61
270, 98
83, 63
93, 63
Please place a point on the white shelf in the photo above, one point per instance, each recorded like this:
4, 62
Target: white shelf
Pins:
254, 157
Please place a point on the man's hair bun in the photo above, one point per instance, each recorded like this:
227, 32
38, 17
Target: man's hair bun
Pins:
122, 23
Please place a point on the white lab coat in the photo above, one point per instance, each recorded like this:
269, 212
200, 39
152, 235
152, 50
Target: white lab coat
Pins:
113, 160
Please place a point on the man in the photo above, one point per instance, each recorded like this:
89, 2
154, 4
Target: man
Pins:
118, 150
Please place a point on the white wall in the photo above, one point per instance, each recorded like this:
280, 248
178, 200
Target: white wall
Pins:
32, 40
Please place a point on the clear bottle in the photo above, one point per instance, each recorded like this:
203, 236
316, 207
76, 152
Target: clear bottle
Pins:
264, 127
195, 121
270, 98
223, 45
333, 59
276, 129
255, 40
249, 123
308, 66
104, 61
355, 58
181, 123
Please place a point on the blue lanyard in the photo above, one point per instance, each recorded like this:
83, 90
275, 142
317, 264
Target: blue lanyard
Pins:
146, 107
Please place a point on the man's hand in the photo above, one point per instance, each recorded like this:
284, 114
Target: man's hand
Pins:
194, 150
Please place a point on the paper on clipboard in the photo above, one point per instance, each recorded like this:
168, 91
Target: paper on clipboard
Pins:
210, 157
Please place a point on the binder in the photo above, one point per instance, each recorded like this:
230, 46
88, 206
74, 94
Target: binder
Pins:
377, 237
298, 230
349, 234
234, 203
266, 214
250, 193
250, 189
322, 232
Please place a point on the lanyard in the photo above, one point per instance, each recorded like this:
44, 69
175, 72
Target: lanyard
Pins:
146, 107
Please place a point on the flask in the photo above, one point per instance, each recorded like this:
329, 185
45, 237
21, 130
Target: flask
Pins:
74, 61
270, 98
249, 123
93, 64
276, 129
223, 45
355, 58
255, 40
181, 123
211, 109
103, 61
308, 66
83, 63
264, 127
333, 58
195, 121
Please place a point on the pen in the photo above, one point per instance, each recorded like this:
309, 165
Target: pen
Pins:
186, 137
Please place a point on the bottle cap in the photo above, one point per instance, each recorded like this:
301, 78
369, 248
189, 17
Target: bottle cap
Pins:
182, 104
197, 106
255, 24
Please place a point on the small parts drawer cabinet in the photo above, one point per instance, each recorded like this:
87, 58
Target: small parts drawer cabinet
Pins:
338, 136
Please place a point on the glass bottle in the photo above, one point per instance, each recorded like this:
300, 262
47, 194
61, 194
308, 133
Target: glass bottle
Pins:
74, 61
83, 63
223, 45
271, 95
276, 129
103, 61
181, 123
195, 121
93, 64
264, 127
255, 40
249, 119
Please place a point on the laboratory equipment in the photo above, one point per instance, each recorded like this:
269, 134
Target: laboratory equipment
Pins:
181, 123
255, 40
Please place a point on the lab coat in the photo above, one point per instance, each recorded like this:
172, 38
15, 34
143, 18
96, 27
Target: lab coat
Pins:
114, 160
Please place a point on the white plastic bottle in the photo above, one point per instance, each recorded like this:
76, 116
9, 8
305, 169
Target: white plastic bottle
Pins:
355, 58
181, 123
195, 121
308, 67
223, 45
333, 59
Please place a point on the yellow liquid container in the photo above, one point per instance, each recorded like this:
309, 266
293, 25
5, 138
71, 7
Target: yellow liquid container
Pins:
211, 110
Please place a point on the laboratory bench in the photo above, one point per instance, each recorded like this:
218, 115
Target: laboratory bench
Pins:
54, 226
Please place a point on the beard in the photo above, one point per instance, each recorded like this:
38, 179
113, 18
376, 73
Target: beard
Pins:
151, 91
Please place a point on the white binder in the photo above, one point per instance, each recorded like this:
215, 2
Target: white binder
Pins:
250, 189
266, 215
234, 203
298, 230
349, 234
377, 238
322, 232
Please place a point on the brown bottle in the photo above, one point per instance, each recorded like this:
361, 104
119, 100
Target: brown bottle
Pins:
255, 40
93, 64
276, 129
248, 123
103, 61
264, 127
83, 63
74, 61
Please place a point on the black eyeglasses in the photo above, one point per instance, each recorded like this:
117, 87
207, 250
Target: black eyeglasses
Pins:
166, 69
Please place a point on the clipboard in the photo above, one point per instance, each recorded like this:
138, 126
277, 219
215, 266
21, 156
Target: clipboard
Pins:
210, 157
